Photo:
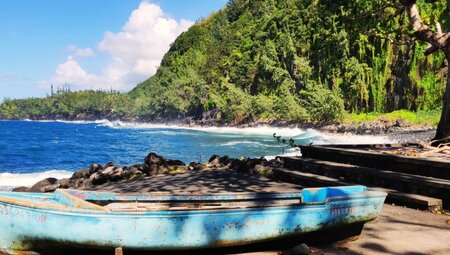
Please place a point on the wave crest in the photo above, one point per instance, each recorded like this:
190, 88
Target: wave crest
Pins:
8, 181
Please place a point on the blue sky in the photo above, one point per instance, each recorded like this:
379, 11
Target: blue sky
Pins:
88, 44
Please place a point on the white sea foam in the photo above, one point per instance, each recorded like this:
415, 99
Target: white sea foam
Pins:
287, 153
262, 130
9, 181
249, 143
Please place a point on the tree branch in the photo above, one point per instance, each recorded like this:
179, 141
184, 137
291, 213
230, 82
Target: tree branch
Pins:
423, 32
432, 48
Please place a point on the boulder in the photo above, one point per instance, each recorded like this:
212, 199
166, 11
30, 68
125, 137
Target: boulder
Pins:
109, 170
156, 170
171, 162
65, 183
214, 161
196, 166
177, 169
116, 174
46, 185
126, 174
21, 189
85, 183
109, 164
225, 160
153, 159
83, 173
95, 168
262, 170
98, 178
237, 164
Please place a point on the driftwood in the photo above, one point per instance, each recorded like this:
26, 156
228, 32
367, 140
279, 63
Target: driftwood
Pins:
442, 148
425, 149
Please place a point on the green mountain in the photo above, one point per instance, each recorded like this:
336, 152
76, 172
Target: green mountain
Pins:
301, 60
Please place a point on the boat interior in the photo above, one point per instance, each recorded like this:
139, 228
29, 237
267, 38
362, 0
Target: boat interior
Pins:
162, 201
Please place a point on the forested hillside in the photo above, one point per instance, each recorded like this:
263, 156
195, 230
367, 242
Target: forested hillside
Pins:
305, 60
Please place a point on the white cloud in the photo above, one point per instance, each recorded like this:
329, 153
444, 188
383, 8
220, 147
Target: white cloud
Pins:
70, 72
135, 52
78, 53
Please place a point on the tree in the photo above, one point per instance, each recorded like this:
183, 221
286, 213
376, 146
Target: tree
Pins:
438, 41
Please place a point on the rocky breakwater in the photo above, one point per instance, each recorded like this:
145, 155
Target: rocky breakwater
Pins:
153, 165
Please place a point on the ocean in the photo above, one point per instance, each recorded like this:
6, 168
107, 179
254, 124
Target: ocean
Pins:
34, 150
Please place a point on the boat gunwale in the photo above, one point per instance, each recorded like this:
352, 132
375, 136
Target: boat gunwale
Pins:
65, 210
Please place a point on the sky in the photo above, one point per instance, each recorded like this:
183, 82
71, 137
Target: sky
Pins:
88, 44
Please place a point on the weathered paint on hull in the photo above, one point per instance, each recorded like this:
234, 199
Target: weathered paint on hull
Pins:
24, 228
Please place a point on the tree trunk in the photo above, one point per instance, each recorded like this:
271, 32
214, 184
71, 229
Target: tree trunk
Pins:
438, 40
443, 129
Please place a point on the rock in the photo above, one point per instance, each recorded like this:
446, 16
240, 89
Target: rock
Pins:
116, 175
225, 160
249, 165
214, 158
214, 114
237, 164
401, 123
137, 167
21, 189
177, 169
65, 183
109, 164
171, 162
214, 161
135, 174
84, 173
196, 166
126, 173
262, 170
46, 185
156, 170
98, 178
109, 170
95, 168
153, 159
301, 249
85, 183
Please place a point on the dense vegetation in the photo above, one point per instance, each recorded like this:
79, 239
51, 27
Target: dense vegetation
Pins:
304, 60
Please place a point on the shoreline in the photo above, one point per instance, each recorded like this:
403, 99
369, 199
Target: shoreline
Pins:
398, 131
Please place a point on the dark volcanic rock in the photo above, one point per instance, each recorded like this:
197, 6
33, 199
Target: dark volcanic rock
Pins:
171, 162
225, 160
46, 185
214, 161
153, 159
116, 174
84, 173
196, 166
98, 178
95, 168
65, 183
21, 189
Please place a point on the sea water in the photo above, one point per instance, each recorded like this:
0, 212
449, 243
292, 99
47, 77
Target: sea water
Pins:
34, 150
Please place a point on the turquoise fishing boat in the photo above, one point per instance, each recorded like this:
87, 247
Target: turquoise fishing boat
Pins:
161, 221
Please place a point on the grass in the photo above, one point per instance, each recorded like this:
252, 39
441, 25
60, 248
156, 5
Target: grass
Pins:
419, 118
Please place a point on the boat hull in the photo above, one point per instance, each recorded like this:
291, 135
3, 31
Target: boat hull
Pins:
26, 228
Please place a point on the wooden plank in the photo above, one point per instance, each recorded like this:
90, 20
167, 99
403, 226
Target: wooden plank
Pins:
151, 206
385, 174
418, 166
405, 198
70, 200
423, 201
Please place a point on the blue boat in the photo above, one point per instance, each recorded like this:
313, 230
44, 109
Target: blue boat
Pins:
162, 221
